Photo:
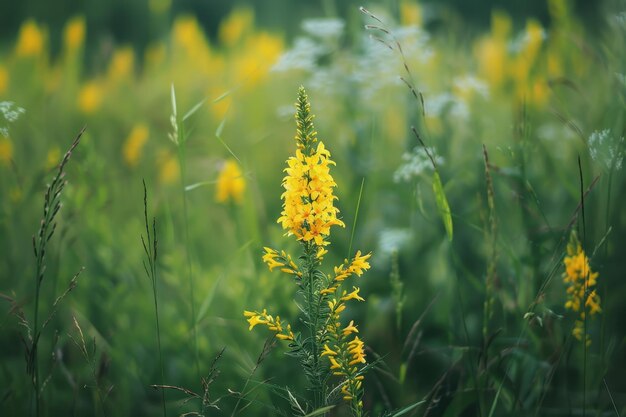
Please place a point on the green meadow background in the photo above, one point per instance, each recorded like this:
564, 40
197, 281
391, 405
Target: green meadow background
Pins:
522, 106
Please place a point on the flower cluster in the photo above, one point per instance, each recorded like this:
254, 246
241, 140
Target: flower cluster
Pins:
308, 208
344, 352
580, 280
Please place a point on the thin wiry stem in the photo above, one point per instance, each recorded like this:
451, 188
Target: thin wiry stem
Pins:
150, 248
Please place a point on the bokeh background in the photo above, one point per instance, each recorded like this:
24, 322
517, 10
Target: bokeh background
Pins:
539, 87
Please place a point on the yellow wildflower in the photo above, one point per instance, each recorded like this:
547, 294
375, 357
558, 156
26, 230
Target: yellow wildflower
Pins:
410, 13
274, 324
90, 97
169, 171
356, 350
231, 184
74, 33
6, 151
30, 41
350, 328
260, 52
308, 208
354, 295
122, 64
580, 280
134, 144
4, 79
235, 25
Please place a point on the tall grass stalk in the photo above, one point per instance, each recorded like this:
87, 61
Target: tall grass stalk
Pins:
51, 207
150, 248
179, 138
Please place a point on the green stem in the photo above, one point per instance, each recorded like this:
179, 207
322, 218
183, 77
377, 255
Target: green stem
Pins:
181, 162
158, 329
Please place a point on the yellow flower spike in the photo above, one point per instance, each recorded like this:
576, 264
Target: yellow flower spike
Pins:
579, 279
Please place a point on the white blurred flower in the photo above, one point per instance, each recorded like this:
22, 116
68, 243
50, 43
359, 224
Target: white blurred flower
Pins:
605, 149
10, 112
436, 105
392, 240
470, 83
324, 28
415, 163
302, 56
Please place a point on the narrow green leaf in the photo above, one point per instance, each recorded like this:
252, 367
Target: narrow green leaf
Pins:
320, 411
207, 301
173, 97
193, 110
198, 184
442, 204
407, 409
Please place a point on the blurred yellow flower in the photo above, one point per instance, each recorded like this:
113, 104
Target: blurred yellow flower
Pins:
30, 41
169, 170
188, 35
540, 93
53, 158
90, 97
6, 151
74, 33
491, 51
230, 183
135, 141
4, 79
410, 13
235, 26
122, 64
491, 54
261, 51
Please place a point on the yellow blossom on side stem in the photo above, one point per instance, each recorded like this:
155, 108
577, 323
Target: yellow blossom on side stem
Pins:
273, 324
